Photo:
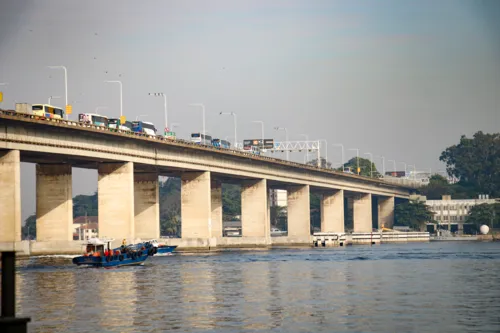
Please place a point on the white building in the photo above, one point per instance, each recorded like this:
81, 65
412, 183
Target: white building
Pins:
278, 198
451, 214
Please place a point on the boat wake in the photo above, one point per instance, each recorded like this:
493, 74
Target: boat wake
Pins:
68, 256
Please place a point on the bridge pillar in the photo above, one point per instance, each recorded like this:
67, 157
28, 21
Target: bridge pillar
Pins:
298, 211
362, 212
254, 217
54, 202
196, 204
332, 211
10, 196
115, 186
216, 206
146, 206
385, 212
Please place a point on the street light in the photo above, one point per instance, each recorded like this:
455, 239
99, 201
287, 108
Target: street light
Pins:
286, 137
414, 171
164, 106
307, 150
394, 164
326, 151
65, 82
341, 146
383, 164
371, 164
261, 128
203, 111
99, 107
357, 158
234, 119
52, 97
121, 94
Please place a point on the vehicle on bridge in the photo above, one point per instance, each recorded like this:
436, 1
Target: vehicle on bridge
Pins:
202, 139
114, 123
143, 127
221, 143
93, 119
47, 111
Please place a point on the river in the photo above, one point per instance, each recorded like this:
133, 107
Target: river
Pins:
418, 287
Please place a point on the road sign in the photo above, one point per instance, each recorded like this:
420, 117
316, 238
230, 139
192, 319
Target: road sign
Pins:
123, 119
1, 96
69, 109
266, 143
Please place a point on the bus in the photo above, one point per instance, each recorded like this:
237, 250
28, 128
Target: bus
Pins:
93, 119
201, 139
144, 127
221, 143
48, 111
114, 123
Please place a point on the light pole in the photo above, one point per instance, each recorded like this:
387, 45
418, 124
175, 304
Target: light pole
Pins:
414, 171
307, 150
99, 107
394, 164
341, 146
121, 94
383, 164
65, 82
52, 97
286, 137
405, 166
371, 164
164, 107
203, 111
326, 151
261, 128
357, 158
235, 121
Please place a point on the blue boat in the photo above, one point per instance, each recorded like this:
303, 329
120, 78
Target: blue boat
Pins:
160, 248
98, 253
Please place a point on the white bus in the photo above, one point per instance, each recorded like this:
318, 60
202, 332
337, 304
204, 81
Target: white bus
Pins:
93, 119
48, 111
201, 139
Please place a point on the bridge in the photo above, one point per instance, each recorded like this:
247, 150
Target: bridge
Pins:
128, 168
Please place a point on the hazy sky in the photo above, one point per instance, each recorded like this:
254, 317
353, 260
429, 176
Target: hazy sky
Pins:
401, 79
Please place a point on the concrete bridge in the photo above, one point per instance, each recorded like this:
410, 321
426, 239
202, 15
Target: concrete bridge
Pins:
128, 167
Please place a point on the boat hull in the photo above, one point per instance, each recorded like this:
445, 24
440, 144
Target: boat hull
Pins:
124, 259
165, 249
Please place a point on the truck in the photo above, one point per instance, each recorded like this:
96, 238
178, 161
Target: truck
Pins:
24, 108
144, 127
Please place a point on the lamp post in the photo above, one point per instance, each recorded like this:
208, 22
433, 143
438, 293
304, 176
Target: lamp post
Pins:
52, 97
341, 146
307, 150
371, 164
383, 164
357, 158
65, 82
414, 171
235, 126
203, 111
261, 128
394, 164
286, 137
326, 151
121, 94
405, 166
99, 107
164, 106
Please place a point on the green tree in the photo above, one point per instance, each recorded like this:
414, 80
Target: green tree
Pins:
437, 187
315, 209
278, 217
324, 163
488, 214
476, 163
364, 166
231, 201
413, 214
28, 231
85, 205
170, 203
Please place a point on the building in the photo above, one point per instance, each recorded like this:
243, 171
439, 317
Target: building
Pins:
81, 227
278, 198
450, 214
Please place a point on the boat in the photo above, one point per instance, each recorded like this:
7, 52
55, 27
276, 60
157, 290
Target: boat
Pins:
98, 253
158, 248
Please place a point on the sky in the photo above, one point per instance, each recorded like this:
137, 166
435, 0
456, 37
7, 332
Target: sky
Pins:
401, 79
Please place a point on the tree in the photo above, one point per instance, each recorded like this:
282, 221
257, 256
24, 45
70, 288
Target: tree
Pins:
28, 231
85, 205
278, 217
170, 206
364, 166
488, 214
438, 185
475, 162
324, 163
231, 202
413, 214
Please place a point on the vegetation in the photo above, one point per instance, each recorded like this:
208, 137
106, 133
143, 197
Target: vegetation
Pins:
324, 163
278, 217
488, 214
413, 214
365, 166
231, 202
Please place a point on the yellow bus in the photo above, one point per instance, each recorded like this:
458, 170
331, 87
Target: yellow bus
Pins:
48, 111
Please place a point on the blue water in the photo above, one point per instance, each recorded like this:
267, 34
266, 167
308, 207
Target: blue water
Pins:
419, 287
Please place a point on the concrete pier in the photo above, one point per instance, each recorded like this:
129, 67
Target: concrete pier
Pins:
146, 206
196, 205
54, 202
298, 211
10, 196
115, 186
254, 217
362, 207
332, 211
216, 206
385, 212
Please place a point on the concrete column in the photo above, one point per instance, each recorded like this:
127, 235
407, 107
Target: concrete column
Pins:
196, 205
298, 211
54, 203
146, 206
385, 212
115, 186
332, 212
254, 217
10, 196
216, 206
363, 212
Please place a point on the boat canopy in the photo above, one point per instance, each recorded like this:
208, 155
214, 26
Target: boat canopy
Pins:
97, 241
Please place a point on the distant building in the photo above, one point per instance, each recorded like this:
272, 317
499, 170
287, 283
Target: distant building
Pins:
85, 227
278, 198
231, 228
450, 214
